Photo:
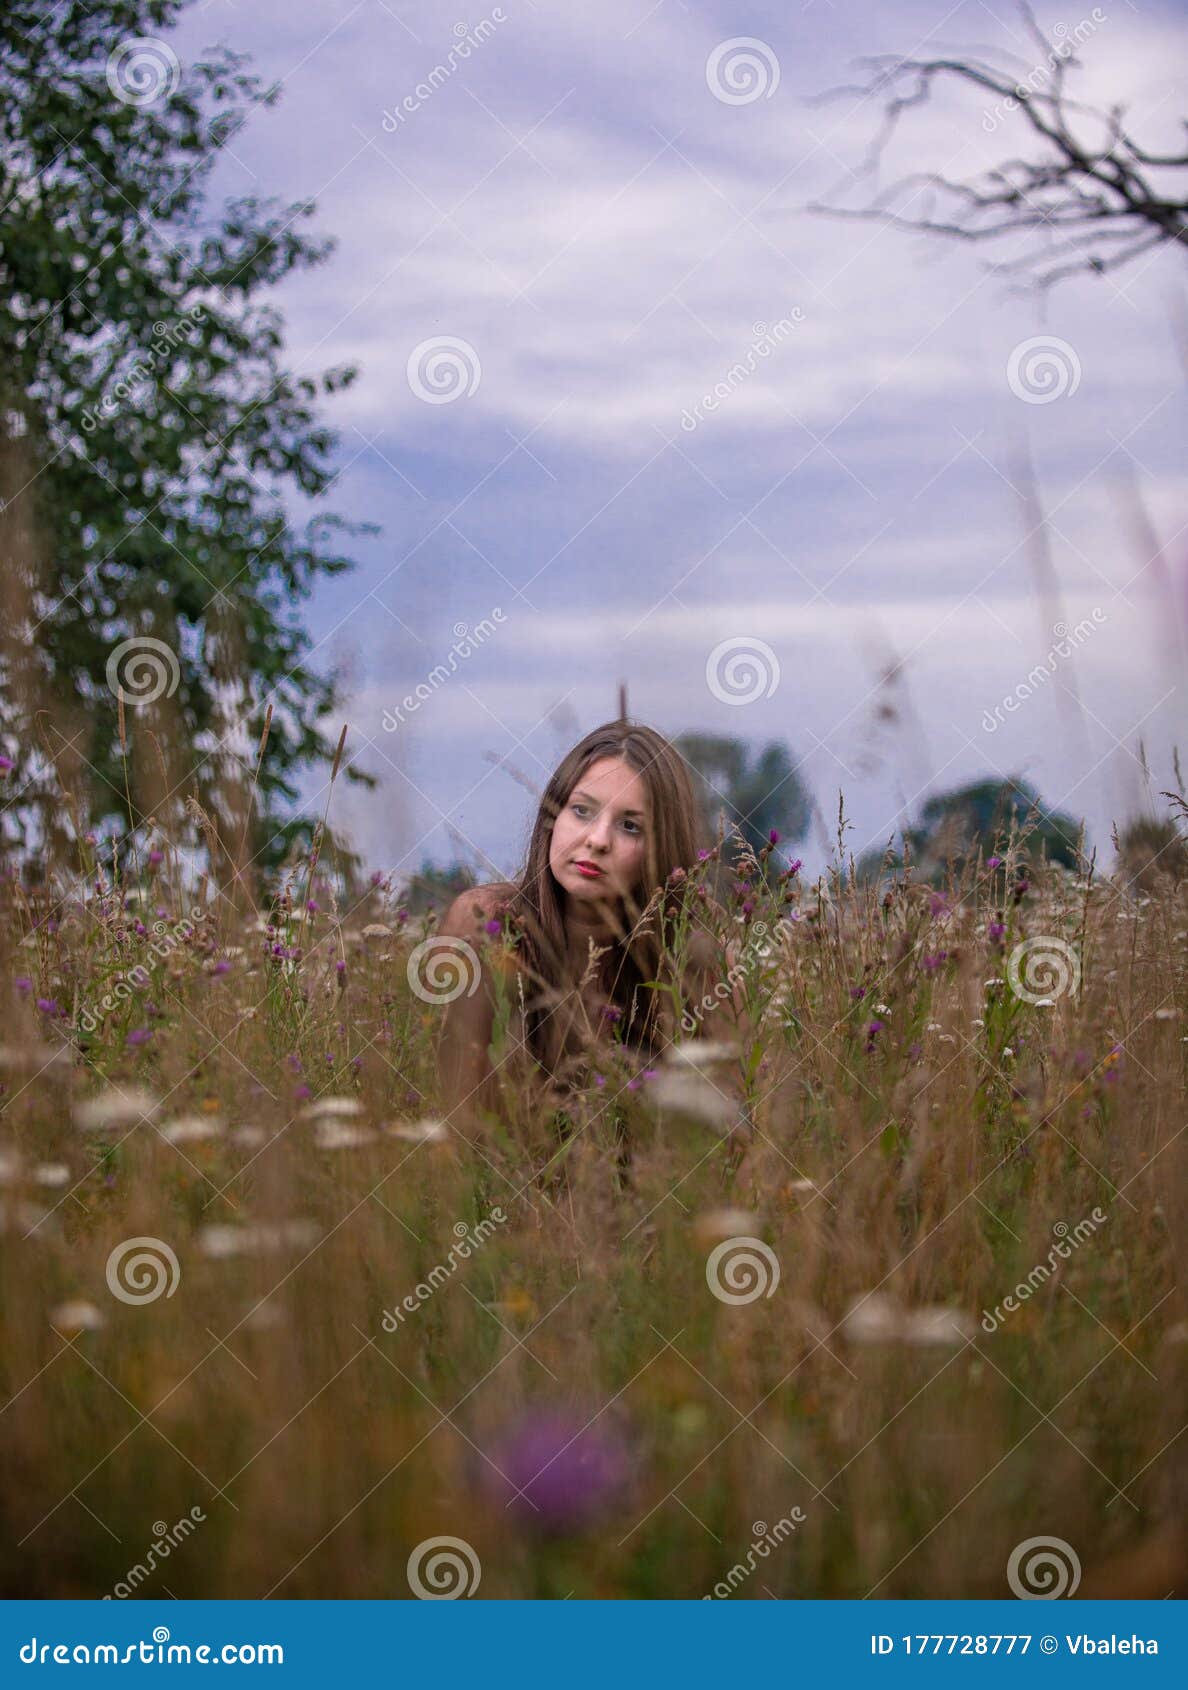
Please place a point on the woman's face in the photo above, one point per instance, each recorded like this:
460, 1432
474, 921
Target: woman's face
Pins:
597, 850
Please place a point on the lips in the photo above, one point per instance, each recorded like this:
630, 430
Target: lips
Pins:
590, 870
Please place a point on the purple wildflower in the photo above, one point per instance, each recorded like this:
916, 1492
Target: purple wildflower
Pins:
48, 1006
993, 862
773, 837
138, 1036
23, 983
559, 1472
857, 992
995, 929
933, 962
5, 765
302, 1093
493, 926
221, 967
156, 857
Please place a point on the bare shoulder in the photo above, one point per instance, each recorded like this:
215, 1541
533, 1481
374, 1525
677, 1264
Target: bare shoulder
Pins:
702, 949
470, 909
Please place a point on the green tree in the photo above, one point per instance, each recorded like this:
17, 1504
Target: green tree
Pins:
433, 887
757, 793
980, 815
152, 441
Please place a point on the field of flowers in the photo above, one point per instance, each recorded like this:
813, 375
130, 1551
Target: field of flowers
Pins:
268, 1327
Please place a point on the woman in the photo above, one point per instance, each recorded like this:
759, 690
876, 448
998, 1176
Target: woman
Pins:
596, 921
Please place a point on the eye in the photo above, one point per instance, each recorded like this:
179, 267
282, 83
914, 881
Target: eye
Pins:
579, 809
632, 825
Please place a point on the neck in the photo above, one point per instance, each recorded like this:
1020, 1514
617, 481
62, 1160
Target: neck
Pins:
584, 922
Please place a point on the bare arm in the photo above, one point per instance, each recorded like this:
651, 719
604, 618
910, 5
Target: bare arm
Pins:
464, 1070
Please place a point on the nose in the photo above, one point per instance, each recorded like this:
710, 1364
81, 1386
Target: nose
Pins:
598, 834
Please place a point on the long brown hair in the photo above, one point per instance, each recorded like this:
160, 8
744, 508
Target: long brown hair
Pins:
645, 921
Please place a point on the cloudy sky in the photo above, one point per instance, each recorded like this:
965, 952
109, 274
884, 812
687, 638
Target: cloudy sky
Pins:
553, 251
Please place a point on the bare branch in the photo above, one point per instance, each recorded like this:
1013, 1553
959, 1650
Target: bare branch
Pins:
1093, 206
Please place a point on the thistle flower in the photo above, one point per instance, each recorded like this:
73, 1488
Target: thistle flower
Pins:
557, 1471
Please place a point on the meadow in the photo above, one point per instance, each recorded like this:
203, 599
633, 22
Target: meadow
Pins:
269, 1328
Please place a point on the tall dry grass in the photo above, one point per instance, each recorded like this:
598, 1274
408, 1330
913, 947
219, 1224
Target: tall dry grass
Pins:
922, 1133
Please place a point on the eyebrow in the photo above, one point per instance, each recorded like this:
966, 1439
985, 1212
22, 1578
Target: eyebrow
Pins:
578, 793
